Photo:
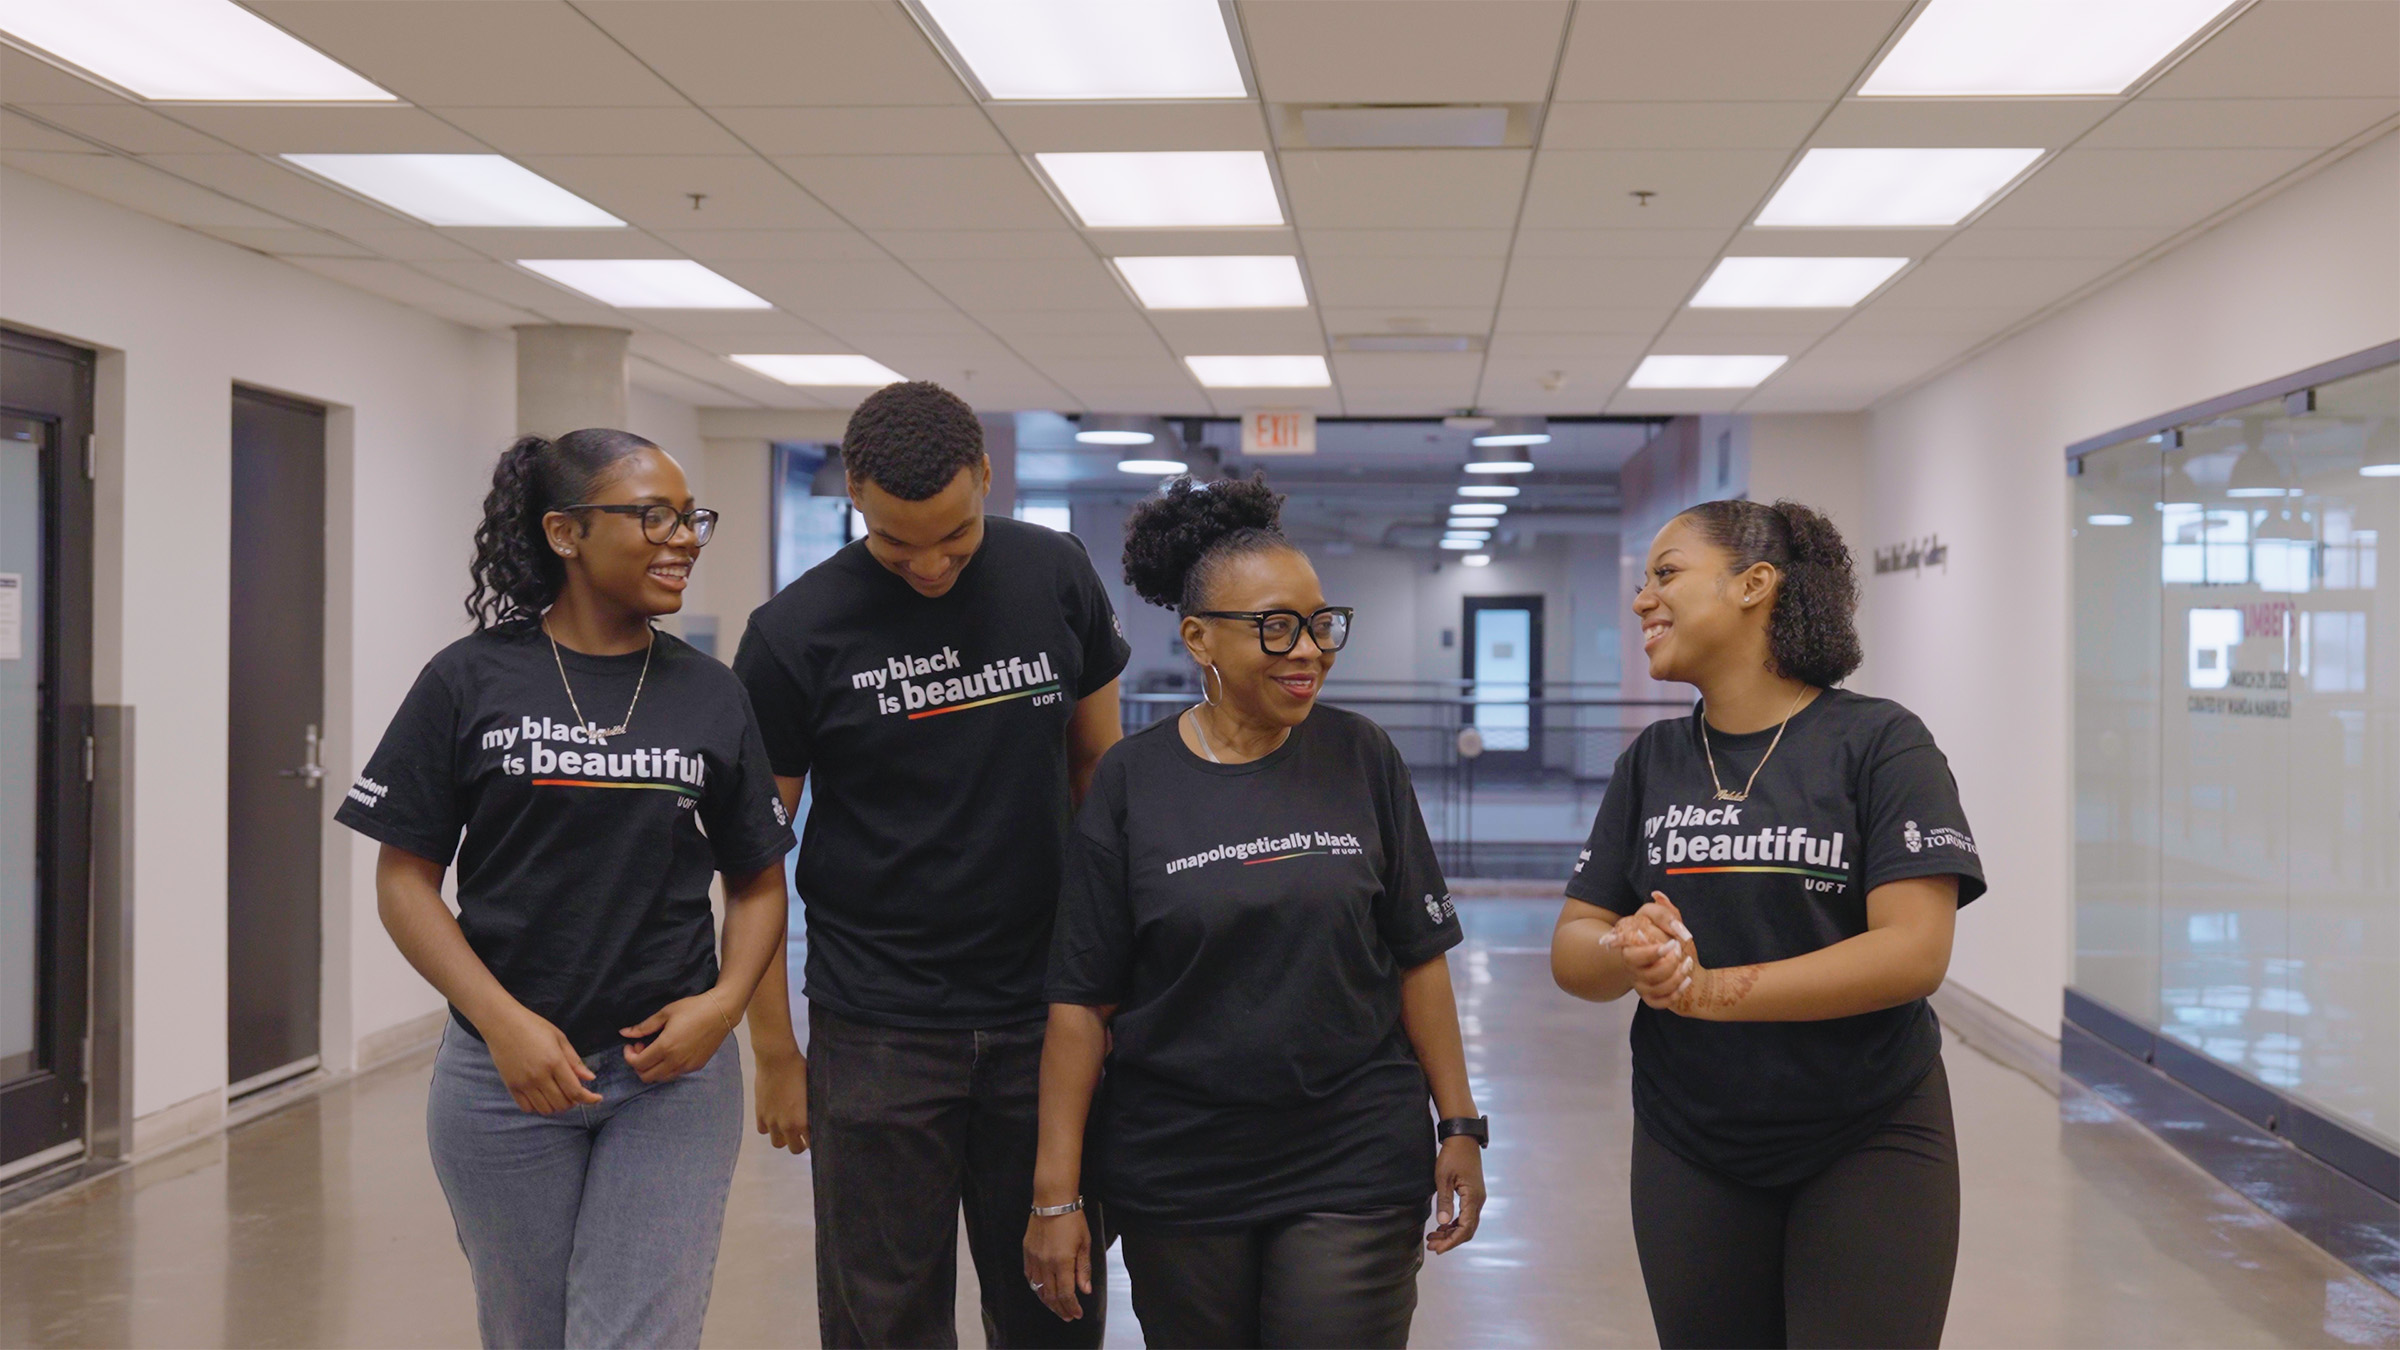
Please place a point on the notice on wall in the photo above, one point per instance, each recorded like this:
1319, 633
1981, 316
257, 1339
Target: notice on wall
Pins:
1273, 432
12, 616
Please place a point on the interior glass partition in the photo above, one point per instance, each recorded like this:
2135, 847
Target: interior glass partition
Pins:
2237, 742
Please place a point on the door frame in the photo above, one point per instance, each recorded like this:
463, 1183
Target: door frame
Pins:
1529, 759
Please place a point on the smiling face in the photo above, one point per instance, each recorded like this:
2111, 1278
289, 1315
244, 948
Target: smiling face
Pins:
608, 553
1258, 688
1697, 614
929, 543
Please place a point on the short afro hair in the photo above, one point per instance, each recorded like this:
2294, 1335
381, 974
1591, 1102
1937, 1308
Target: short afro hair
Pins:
911, 439
1178, 541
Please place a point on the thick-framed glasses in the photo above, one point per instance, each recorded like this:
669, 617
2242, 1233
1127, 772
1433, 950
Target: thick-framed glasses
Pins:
1279, 629
660, 522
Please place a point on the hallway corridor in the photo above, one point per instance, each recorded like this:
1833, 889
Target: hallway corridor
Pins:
321, 1225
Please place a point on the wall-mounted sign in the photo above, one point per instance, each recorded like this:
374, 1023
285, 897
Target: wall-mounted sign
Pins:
1272, 432
1914, 556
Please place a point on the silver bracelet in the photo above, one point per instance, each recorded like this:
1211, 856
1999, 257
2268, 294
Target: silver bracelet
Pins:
1054, 1211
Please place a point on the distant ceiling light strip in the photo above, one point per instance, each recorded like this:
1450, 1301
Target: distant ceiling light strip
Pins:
185, 51
1092, 49
1154, 468
1892, 188
2036, 48
1166, 189
1260, 372
1488, 489
645, 283
1704, 372
832, 369
1794, 283
460, 190
1240, 281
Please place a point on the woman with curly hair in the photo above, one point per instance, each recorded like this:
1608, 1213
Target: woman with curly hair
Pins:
585, 1113
1251, 941
1777, 876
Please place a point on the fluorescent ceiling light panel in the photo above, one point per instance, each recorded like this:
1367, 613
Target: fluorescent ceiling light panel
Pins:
1479, 508
645, 283
1488, 490
1115, 437
1241, 281
1464, 545
1092, 49
186, 51
1156, 468
857, 372
1891, 188
2109, 519
1477, 560
2035, 48
1165, 189
1794, 283
1703, 372
1260, 372
1467, 523
460, 190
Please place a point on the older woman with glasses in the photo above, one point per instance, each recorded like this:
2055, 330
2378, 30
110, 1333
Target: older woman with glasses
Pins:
1251, 942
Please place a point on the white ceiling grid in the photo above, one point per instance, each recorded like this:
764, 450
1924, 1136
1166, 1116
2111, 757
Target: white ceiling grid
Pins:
848, 175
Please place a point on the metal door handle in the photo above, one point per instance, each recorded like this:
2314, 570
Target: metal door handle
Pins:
312, 768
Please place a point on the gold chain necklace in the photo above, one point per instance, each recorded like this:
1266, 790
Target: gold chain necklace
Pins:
1744, 794
580, 719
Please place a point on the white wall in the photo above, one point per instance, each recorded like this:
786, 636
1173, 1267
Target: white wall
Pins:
421, 406
1981, 651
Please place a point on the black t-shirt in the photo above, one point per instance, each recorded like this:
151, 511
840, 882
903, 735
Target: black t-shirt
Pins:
1251, 923
583, 876
934, 729
1857, 795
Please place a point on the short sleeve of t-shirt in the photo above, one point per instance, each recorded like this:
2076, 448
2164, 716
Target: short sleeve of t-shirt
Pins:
747, 825
1091, 949
1415, 913
1911, 815
1105, 650
408, 795
778, 701
1600, 870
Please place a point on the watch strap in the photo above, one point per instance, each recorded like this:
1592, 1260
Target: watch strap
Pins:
1477, 1128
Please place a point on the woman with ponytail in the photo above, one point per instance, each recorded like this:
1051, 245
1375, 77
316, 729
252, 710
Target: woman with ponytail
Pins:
584, 1116
1251, 940
1777, 877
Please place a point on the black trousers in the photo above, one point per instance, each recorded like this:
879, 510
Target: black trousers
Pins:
1861, 1254
905, 1126
1316, 1280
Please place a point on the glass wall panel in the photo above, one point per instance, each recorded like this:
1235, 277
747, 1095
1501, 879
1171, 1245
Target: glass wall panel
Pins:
2116, 529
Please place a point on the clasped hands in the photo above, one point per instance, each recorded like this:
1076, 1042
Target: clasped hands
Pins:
1664, 961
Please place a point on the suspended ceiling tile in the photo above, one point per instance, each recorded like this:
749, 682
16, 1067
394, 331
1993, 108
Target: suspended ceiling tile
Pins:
126, 127
2038, 122
676, 354
1404, 51
286, 192
2316, 48
1407, 319
1553, 383
739, 53
1322, 402
1745, 330
288, 242
412, 243
1226, 125
1122, 320
1545, 350
597, 131
1269, 240
475, 53
1802, 396
1058, 241
1980, 283
864, 325
848, 285
2201, 123
927, 191
1364, 283
743, 330
794, 245
1612, 283
1379, 243
510, 245
1445, 378
1586, 320
1990, 241
1695, 242
522, 289
653, 191
1677, 49
648, 375
2132, 188
1593, 189
976, 286
18, 132
26, 79
1978, 322
1775, 125
1266, 332
330, 130
404, 284
1758, 243
1098, 344
1670, 402
1417, 189
1851, 344
910, 130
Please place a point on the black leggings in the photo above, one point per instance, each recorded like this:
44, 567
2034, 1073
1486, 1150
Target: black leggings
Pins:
1861, 1254
1319, 1280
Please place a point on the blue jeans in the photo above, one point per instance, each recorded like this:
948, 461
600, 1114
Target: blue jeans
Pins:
597, 1226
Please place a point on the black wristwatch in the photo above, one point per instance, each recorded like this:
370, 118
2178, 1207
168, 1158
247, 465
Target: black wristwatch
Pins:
1477, 1128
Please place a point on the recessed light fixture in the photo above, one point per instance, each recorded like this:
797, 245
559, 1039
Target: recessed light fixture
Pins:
1155, 468
459, 190
186, 51
1794, 283
1488, 489
1463, 545
2379, 471
1467, 523
1515, 431
1499, 459
2256, 474
1115, 437
1116, 429
1478, 509
859, 372
1165, 189
645, 283
2108, 519
1260, 372
1216, 281
1891, 188
2035, 48
1703, 372
1081, 49
1477, 560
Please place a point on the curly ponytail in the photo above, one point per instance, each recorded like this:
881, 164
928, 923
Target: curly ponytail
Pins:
1175, 541
1812, 633
516, 575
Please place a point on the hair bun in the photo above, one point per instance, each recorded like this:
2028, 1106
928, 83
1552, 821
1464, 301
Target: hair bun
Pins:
1167, 535
1814, 538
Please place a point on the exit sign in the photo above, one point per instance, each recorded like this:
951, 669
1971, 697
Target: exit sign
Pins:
1279, 433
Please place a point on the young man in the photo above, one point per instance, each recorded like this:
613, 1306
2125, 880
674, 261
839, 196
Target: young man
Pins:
950, 681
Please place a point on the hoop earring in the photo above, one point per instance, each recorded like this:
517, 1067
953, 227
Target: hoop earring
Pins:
1208, 670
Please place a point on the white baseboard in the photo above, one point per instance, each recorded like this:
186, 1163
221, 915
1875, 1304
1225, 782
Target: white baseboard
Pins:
1990, 1029
378, 1048
174, 1126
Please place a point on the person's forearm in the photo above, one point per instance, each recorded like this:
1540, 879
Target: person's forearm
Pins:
755, 914
770, 1015
1097, 723
1072, 1050
1880, 968
1583, 967
408, 897
1429, 1013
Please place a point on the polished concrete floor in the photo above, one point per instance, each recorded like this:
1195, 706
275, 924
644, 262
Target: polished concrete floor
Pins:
321, 1225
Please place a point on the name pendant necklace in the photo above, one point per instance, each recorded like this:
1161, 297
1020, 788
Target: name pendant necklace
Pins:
603, 733
1744, 794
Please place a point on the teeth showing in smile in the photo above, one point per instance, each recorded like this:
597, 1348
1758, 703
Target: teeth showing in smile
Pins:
1652, 632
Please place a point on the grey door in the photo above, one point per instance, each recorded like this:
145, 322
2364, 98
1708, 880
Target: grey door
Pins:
275, 799
1504, 679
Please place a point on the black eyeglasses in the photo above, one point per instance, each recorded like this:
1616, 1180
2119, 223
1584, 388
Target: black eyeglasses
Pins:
660, 522
1279, 629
